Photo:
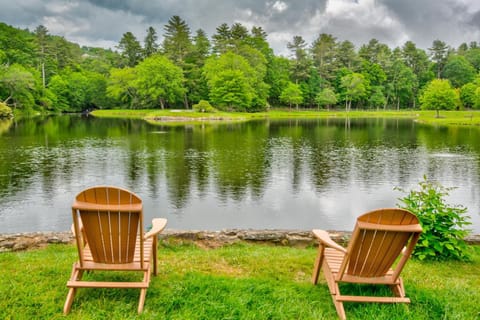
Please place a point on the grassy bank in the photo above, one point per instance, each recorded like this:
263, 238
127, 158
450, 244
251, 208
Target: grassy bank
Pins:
469, 118
240, 281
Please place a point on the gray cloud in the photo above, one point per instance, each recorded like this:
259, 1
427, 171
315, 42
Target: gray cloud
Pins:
103, 22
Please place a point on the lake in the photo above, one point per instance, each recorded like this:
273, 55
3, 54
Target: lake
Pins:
266, 174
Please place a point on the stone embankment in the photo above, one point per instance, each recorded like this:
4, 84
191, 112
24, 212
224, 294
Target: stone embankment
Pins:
207, 239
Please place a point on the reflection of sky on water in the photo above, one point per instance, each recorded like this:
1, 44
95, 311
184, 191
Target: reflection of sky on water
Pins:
288, 175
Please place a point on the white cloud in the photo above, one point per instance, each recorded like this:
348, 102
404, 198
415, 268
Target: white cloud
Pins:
279, 6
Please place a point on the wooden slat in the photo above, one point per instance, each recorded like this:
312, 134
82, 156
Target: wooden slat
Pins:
372, 299
396, 228
104, 284
80, 205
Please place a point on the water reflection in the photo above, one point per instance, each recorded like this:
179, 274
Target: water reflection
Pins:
261, 174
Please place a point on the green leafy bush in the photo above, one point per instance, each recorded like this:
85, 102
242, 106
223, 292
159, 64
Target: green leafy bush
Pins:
443, 224
5, 111
203, 106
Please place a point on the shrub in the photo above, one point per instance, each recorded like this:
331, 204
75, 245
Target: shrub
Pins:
203, 106
5, 111
443, 225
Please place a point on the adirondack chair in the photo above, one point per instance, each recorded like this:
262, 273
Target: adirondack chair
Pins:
108, 227
381, 244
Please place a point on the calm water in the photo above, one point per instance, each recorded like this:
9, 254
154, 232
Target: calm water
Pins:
289, 174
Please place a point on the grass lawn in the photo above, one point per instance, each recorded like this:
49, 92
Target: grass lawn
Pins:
240, 281
468, 118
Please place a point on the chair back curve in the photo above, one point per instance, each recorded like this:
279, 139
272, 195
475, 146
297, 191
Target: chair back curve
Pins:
110, 220
379, 238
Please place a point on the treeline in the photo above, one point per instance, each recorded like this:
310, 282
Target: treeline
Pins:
235, 69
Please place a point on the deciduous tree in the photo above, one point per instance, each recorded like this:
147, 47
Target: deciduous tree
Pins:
159, 81
292, 94
355, 88
326, 98
439, 95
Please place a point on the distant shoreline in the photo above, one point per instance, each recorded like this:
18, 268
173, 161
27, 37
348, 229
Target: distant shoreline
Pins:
208, 239
447, 118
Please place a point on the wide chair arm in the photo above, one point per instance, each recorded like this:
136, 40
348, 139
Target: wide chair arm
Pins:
158, 224
325, 239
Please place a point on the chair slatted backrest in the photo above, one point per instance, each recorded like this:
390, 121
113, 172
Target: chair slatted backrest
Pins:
378, 240
112, 219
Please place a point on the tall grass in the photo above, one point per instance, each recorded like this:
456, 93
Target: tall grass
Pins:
241, 281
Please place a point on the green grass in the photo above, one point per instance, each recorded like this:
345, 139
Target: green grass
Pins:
241, 281
464, 118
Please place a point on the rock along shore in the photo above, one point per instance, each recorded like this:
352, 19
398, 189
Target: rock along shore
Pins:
207, 239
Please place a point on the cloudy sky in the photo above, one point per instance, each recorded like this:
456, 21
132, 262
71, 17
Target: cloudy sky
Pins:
103, 22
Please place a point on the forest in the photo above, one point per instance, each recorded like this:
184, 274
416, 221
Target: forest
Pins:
233, 70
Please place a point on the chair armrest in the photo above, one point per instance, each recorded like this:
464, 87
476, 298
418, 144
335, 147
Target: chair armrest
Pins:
158, 225
325, 239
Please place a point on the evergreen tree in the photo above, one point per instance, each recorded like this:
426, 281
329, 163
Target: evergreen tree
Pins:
439, 54
150, 43
324, 52
222, 39
131, 50
177, 43
41, 33
301, 62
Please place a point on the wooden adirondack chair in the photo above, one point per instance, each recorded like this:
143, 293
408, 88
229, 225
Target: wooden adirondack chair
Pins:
381, 244
108, 225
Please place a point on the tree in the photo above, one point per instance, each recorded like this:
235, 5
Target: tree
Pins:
376, 52
354, 86
292, 94
301, 63
439, 54
258, 63
467, 94
231, 72
439, 95
131, 49
278, 76
324, 52
41, 35
159, 81
231, 89
222, 39
121, 86
473, 56
346, 55
60, 89
402, 83
195, 81
150, 43
177, 43
459, 71
326, 97
377, 97
477, 98
18, 83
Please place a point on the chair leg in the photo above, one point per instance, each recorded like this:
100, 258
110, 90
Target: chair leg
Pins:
334, 291
141, 300
339, 307
318, 264
76, 275
69, 301
398, 289
155, 257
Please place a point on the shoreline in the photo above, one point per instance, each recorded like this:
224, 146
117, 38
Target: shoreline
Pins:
11, 242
